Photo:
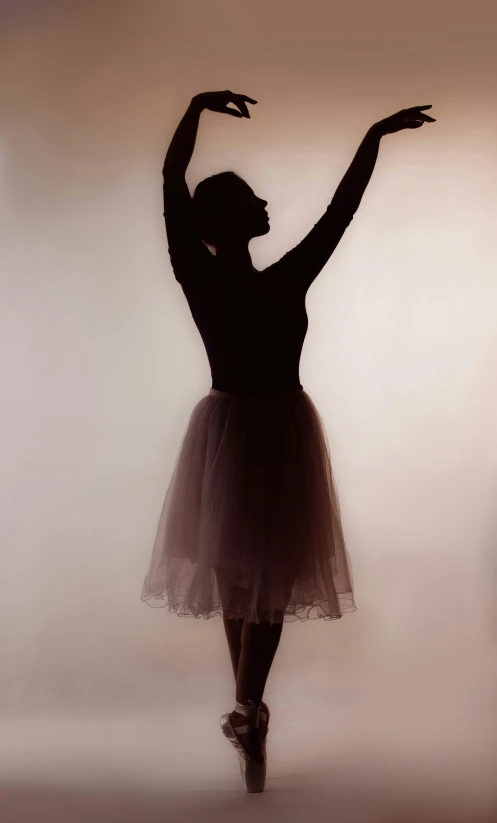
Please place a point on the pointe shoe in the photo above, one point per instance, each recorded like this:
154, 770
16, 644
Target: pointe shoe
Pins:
264, 716
253, 770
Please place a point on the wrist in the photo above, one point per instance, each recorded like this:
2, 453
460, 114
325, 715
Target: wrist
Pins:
196, 105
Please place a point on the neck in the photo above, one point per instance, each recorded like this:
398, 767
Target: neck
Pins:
236, 255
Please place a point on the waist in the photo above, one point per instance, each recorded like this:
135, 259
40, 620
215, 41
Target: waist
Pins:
240, 395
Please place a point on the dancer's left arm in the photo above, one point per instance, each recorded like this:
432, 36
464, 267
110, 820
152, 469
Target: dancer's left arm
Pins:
306, 260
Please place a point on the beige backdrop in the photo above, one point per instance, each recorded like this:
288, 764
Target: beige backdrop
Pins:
389, 712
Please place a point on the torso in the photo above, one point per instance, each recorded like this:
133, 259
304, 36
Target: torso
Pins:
253, 326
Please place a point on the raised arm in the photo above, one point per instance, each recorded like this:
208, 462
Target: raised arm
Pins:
306, 260
186, 248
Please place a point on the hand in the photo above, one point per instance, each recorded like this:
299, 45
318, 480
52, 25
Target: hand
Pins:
406, 119
218, 101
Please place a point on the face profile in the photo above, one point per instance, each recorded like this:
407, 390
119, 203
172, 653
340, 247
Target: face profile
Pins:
257, 218
228, 209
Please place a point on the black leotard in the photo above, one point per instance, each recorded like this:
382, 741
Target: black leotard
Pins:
253, 325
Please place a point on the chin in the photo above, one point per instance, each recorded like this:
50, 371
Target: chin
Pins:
263, 230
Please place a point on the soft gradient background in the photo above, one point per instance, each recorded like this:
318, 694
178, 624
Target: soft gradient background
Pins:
109, 708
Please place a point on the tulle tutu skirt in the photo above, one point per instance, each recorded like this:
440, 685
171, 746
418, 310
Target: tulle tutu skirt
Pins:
250, 527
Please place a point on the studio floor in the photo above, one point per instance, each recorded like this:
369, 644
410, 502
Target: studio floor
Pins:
177, 767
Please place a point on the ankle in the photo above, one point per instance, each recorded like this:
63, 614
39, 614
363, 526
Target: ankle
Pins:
246, 706
246, 713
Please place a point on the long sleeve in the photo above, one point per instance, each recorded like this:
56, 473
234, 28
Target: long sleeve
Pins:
304, 262
187, 251
186, 248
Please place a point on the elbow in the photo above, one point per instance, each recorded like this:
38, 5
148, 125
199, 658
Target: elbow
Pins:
169, 165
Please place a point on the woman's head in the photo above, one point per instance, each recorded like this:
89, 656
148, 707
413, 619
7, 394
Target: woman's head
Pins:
228, 210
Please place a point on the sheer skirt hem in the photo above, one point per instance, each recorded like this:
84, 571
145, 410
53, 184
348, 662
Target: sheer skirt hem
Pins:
293, 612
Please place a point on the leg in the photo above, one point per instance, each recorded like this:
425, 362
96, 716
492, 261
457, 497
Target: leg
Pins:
258, 648
254, 644
259, 642
233, 629
252, 647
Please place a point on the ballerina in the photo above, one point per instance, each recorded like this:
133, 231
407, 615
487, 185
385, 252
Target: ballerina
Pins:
250, 528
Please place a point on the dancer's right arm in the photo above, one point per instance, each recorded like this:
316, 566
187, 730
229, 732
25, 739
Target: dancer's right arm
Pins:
186, 247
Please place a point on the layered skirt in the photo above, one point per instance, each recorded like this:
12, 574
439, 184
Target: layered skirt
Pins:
251, 527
